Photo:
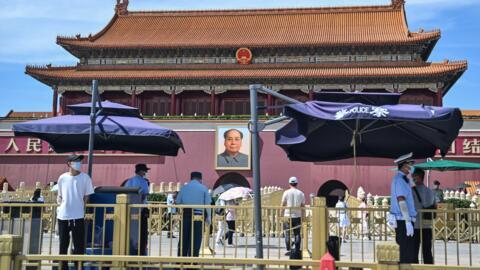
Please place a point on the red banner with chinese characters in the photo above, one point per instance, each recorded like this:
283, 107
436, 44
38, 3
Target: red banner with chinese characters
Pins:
10, 145
465, 146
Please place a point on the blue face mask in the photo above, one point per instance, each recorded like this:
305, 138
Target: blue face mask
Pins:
411, 170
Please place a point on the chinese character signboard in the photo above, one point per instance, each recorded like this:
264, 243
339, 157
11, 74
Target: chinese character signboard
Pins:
471, 146
465, 146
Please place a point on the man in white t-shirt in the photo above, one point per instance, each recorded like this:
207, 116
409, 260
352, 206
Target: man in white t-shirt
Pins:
293, 197
74, 187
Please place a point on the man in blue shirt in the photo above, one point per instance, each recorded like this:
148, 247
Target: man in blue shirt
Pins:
140, 180
194, 193
403, 208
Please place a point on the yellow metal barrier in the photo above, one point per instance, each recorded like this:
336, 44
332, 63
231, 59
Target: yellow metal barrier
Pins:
456, 232
221, 234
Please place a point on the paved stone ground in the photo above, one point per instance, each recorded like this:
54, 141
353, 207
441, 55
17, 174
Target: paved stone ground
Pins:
274, 248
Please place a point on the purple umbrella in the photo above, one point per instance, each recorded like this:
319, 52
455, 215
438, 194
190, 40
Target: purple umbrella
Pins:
376, 99
107, 107
113, 131
323, 131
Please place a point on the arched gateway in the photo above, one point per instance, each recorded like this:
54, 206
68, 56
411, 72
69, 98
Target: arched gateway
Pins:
232, 178
331, 190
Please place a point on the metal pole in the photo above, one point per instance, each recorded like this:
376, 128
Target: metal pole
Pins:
276, 94
428, 173
93, 118
256, 172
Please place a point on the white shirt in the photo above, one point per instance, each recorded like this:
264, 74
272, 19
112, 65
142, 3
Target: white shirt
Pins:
71, 192
230, 211
293, 198
171, 201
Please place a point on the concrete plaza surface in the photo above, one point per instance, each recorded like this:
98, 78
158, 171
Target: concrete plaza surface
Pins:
449, 253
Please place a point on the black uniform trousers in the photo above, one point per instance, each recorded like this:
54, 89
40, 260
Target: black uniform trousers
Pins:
406, 243
425, 239
77, 228
188, 244
293, 225
145, 213
230, 231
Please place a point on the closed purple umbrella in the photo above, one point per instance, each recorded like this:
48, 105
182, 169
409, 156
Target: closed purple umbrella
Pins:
323, 131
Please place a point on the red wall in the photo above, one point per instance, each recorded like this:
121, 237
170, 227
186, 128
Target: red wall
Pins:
373, 174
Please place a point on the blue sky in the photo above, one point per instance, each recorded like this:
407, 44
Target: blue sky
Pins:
28, 30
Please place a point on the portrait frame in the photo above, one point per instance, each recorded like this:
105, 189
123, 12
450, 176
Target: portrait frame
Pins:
246, 149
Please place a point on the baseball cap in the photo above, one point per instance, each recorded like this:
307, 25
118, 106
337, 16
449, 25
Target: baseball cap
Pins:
293, 180
74, 157
141, 167
196, 175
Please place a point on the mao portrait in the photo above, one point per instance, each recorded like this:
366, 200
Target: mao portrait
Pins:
233, 148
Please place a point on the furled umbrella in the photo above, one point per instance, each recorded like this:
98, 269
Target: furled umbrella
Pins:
324, 131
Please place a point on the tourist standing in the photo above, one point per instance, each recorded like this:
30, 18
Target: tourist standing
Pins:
74, 187
140, 180
171, 197
438, 192
364, 216
193, 193
343, 219
37, 196
220, 211
294, 201
424, 199
403, 208
230, 218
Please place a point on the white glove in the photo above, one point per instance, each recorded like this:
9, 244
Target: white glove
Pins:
392, 221
409, 226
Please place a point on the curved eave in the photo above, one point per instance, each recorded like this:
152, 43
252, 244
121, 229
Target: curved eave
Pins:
85, 44
430, 45
68, 43
114, 36
74, 74
456, 76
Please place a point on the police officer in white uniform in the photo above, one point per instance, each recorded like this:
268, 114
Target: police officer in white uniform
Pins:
403, 208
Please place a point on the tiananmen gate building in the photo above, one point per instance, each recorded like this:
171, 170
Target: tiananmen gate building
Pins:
190, 71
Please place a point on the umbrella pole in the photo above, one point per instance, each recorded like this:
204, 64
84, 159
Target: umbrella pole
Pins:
355, 167
93, 119
254, 129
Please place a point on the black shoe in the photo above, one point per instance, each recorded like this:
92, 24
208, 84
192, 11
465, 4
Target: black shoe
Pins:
288, 253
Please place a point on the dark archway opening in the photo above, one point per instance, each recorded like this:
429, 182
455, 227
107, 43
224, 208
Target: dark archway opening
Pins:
331, 190
232, 178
